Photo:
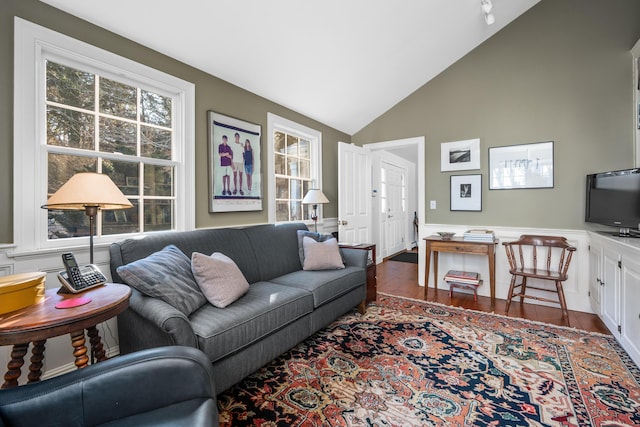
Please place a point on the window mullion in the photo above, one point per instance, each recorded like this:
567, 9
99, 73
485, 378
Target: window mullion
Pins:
96, 116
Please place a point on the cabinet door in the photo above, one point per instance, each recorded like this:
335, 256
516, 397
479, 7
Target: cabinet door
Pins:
630, 308
595, 277
610, 296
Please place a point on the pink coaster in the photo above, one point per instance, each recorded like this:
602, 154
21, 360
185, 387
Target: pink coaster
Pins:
73, 302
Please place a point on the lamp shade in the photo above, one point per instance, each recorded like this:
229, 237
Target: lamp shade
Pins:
88, 189
314, 197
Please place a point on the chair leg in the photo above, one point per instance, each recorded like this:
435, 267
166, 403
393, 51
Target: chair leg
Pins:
523, 289
563, 302
511, 286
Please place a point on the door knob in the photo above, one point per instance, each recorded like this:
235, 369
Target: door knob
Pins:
343, 222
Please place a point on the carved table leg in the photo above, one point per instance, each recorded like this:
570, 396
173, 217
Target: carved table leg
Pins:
14, 365
97, 350
37, 355
79, 349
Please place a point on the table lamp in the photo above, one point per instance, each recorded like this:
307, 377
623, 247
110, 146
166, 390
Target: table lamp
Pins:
315, 197
89, 192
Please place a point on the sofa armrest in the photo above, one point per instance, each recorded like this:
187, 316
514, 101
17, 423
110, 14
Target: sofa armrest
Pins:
136, 389
355, 257
168, 319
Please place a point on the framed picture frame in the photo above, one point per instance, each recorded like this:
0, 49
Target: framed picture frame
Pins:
460, 155
235, 172
466, 193
521, 166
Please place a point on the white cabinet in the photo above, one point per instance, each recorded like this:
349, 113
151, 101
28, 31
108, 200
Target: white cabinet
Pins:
610, 289
630, 307
595, 277
617, 271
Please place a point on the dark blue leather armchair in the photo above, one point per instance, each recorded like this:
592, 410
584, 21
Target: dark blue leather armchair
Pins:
164, 386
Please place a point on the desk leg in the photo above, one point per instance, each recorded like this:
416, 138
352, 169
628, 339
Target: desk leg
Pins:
79, 349
97, 350
426, 269
435, 271
37, 355
492, 274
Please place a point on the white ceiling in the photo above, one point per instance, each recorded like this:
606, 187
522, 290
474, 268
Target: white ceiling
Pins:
340, 62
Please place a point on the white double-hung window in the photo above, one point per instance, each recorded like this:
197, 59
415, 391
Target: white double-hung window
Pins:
79, 108
295, 165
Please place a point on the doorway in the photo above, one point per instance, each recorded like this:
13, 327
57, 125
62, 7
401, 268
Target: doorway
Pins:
393, 215
408, 154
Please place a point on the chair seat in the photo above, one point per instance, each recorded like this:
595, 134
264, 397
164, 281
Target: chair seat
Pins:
537, 273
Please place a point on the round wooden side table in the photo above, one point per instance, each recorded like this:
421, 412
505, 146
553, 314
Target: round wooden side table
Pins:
38, 322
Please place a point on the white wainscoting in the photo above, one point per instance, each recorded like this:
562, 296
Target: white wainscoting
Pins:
58, 351
576, 287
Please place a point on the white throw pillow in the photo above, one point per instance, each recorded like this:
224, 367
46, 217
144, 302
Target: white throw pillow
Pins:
219, 277
321, 255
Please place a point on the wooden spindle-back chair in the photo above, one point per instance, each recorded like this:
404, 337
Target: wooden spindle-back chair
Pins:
524, 264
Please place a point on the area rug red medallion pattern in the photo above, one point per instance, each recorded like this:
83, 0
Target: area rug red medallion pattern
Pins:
412, 363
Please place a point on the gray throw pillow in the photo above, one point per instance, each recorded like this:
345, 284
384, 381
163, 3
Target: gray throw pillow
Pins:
219, 278
167, 275
321, 255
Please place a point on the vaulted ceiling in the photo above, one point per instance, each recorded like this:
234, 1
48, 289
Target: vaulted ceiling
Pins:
341, 62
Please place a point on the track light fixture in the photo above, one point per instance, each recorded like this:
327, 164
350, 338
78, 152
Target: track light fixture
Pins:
487, 7
489, 18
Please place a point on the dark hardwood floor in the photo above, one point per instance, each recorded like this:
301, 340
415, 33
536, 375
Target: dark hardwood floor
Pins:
401, 279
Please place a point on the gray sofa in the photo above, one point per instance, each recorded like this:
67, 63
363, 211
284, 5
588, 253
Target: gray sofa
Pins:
284, 304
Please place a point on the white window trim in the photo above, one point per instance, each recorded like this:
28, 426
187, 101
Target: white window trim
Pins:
33, 43
274, 123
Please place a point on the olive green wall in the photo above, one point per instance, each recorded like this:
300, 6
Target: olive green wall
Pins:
562, 72
211, 94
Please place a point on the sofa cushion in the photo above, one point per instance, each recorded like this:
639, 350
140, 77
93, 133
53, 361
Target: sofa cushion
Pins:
321, 255
325, 285
167, 275
219, 278
265, 308
275, 248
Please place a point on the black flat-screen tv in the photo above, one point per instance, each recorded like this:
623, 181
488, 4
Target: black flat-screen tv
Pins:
613, 198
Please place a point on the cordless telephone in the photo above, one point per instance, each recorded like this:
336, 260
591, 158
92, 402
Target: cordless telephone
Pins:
76, 279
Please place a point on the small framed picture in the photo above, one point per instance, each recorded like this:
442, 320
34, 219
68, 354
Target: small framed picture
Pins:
460, 155
466, 192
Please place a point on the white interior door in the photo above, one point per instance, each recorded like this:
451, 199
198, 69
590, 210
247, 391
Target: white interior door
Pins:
393, 207
354, 194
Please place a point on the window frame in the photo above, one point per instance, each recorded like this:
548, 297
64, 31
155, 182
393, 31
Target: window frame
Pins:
277, 123
33, 45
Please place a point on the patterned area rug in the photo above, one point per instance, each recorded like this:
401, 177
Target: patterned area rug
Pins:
411, 363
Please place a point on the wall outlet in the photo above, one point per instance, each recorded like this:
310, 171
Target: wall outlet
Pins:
432, 204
